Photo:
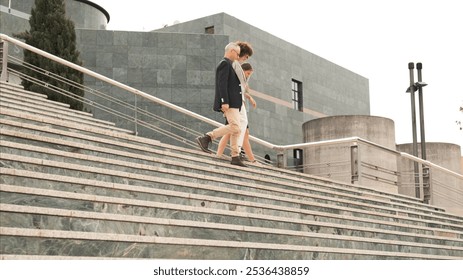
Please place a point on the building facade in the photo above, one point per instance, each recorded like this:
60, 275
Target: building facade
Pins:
177, 64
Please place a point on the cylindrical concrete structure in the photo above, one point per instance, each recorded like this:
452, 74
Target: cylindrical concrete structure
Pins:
446, 191
375, 129
446, 155
362, 164
85, 15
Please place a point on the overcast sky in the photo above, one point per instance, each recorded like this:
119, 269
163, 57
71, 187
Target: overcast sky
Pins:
375, 39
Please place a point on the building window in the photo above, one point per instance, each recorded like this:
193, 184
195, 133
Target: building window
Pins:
209, 30
296, 89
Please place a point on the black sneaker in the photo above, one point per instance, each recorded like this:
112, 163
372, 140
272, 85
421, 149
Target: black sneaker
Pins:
203, 142
237, 161
243, 156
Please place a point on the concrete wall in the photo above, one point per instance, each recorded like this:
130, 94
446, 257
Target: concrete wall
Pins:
178, 68
13, 23
328, 89
376, 167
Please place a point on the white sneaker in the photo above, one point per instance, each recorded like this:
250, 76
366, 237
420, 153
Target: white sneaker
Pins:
255, 163
224, 157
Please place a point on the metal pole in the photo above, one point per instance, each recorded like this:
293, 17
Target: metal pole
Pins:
424, 168
419, 66
411, 66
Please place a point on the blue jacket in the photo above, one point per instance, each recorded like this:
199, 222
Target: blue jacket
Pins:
227, 86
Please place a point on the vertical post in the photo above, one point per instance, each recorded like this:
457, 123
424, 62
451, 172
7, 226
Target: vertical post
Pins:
419, 66
299, 160
425, 169
430, 188
4, 58
354, 164
281, 159
136, 115
426, 184
411, 66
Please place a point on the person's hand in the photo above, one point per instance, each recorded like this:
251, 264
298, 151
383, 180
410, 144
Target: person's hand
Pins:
225, 107
253, 103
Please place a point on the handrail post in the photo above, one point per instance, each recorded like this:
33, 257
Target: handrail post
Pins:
426, 184
282, 159
354, 164
136, 115
4, 54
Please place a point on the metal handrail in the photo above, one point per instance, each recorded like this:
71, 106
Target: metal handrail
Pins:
278, 148
108, 80
433, 165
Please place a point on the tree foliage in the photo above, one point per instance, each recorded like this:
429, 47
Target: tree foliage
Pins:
52, 32
459, 123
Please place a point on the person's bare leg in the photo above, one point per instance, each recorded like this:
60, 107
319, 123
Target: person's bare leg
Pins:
247, 147
222, 145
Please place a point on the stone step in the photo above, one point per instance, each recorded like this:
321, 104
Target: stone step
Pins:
278, 173
119, 198
41, 104
137, 176
89, 127
53, 242
13, 98
20, 90
269, 176
84, 221
31, 97
50, 113
79, 189
108, 169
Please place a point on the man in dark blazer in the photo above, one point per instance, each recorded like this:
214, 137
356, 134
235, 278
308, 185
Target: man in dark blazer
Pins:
228, 99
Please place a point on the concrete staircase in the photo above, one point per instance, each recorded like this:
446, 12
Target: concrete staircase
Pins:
73, 187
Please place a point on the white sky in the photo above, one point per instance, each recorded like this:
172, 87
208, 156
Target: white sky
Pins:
376, 39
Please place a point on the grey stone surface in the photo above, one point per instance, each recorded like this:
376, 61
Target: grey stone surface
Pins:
69, 190
328, 88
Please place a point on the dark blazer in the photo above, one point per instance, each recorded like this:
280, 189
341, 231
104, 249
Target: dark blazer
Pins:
227, 86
